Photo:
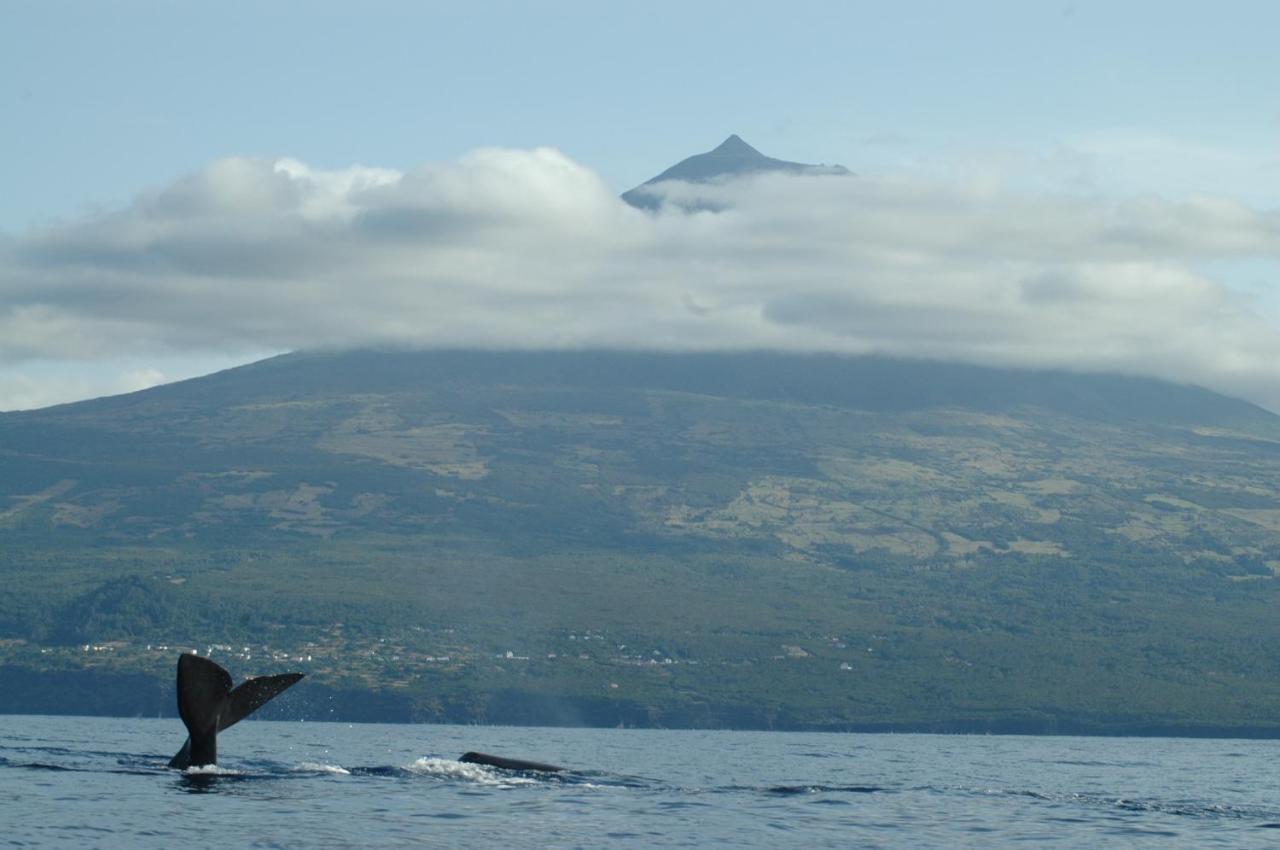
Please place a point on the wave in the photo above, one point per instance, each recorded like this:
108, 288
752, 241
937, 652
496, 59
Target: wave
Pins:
212, 770
1259, 814
1200, 809
317, 767
476, 773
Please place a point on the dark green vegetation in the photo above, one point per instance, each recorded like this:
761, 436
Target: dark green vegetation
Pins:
602, 537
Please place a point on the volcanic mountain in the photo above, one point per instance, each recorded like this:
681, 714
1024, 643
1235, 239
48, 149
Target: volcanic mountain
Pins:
757, 540
733, 158
745, 539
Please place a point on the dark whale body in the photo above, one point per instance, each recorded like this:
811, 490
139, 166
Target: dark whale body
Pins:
208, 704
508, 764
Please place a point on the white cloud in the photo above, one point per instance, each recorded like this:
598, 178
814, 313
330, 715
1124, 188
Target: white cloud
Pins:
527, 249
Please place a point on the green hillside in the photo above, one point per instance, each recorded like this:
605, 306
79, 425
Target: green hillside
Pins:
753, 540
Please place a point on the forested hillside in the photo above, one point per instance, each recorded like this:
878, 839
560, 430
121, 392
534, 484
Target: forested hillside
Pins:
608, 537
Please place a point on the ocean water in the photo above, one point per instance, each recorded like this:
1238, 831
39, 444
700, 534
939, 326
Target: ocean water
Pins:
102, 782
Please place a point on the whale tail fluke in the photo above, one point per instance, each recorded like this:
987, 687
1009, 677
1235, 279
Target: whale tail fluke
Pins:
252, 694
208, 704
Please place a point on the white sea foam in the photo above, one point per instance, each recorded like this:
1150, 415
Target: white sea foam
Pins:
317, 767
212, 770
479, 774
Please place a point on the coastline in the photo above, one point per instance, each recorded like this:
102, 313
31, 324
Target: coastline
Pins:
24, 691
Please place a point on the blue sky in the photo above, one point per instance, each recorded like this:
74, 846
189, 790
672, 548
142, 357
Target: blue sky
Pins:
1119, 101
104, 99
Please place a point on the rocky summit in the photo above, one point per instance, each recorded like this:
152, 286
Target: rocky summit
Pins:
732, 158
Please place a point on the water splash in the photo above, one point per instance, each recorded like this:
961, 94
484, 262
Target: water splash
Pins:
478, 774
212, 770
317, 767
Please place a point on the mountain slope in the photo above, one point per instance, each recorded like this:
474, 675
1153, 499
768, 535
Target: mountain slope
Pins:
729, 539
732, 158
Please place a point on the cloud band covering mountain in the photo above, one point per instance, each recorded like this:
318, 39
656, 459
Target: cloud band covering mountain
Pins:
528, 249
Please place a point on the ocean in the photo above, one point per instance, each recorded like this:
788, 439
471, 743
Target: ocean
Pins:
102, 782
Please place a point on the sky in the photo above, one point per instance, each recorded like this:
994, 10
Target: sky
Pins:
1080, 185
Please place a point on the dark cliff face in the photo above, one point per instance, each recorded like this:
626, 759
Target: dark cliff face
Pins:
733, 158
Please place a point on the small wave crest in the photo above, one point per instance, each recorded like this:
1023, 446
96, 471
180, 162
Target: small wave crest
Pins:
1178, 808
317, 767
797, 790
479, 774
787, 790
212, 770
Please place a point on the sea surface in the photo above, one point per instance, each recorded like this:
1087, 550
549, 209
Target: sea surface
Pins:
102, 782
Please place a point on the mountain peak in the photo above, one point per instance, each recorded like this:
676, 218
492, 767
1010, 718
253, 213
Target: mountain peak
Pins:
735, 146
733, 158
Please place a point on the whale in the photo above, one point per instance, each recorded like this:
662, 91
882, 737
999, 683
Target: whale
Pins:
508, 763
207, 704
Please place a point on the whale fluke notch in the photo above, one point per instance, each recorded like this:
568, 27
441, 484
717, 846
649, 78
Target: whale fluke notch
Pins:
208, 704
508, 763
